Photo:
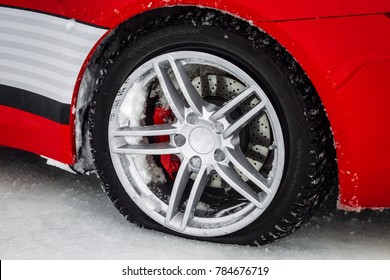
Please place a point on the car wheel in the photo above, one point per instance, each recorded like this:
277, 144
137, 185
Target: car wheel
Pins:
198, 131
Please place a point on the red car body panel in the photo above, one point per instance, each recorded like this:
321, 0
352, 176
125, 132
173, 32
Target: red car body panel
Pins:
344, 47
348, 61
26, 131
110, 13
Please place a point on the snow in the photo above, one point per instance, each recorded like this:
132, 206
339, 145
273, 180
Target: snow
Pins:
132, 109
131, 114
48, 213
84, 161
70, 25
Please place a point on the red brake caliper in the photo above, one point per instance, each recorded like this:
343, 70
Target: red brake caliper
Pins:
171, 163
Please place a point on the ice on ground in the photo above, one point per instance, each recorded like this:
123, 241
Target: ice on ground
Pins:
47, 213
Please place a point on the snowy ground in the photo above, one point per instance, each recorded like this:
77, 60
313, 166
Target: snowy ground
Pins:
47, 213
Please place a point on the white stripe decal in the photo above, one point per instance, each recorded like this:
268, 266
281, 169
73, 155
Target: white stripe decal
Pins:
57, 61
43, 54
10, 32
36, 86
60, 35
41, 64
64, 51
34, 72
47, 19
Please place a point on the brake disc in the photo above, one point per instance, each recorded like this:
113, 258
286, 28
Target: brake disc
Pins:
218, 89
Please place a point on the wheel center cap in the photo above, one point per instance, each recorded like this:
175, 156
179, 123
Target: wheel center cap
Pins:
202, 140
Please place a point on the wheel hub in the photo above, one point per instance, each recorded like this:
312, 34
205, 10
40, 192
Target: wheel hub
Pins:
199, 139
202, 140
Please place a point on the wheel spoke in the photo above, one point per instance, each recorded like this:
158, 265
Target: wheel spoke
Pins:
244, 120
194, 100
175, 101
233, 104
147, 149
182, 177
230, 175
196, 193
152, 130
240, 161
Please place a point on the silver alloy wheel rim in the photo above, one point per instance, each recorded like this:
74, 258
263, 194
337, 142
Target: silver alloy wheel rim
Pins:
206, 139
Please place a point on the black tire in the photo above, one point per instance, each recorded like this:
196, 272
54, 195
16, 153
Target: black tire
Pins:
310, 167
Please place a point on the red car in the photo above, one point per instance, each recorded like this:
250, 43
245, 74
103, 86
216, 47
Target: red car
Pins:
226, 121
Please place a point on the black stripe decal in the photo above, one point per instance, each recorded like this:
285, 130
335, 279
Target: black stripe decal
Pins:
34, 103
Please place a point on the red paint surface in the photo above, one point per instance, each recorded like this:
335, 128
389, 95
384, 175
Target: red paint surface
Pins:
347, 59
26, 131
364, 148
